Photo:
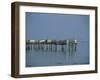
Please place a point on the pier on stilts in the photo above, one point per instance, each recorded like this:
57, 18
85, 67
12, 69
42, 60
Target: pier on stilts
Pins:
52, 45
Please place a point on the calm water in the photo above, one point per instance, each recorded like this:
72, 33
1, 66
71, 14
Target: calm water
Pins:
57, 56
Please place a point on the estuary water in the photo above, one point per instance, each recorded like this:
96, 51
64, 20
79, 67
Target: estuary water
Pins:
57, 56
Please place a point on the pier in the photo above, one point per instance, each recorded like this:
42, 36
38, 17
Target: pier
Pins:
52, 45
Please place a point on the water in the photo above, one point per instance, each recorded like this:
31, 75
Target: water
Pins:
57, 55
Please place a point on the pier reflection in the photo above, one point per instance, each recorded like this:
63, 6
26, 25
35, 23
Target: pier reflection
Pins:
56, 52
69, 46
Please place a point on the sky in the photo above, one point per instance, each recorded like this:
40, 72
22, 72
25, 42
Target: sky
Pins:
57, 26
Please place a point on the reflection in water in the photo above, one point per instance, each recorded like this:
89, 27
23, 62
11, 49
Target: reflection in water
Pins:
56, 53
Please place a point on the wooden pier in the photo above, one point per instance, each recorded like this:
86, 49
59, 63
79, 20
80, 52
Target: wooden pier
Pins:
57, 42
52, 45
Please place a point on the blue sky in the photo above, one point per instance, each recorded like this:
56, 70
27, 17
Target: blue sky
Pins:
57, 26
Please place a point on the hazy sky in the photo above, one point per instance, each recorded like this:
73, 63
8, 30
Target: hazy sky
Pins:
57, 26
